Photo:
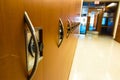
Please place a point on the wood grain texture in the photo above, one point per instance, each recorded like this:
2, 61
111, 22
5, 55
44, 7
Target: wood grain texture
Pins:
57, 62
117, 38
12, 42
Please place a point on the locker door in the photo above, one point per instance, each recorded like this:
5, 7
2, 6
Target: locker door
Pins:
117, 38
12, 40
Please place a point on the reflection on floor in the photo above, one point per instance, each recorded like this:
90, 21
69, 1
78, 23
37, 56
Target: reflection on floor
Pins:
96, 58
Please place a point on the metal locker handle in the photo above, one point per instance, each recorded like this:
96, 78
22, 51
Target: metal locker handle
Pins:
32, 31
60, 32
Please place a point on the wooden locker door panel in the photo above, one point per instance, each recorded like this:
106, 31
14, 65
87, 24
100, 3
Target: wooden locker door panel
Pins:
12, 40
117, 38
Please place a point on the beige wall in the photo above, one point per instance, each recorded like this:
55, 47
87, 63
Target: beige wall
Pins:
57, 62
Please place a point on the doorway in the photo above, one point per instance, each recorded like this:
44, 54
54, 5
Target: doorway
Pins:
98, 18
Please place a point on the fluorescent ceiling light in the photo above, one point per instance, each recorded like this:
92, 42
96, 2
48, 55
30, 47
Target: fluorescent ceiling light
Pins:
112, 5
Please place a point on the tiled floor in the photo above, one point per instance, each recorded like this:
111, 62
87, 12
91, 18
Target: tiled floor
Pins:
96, 58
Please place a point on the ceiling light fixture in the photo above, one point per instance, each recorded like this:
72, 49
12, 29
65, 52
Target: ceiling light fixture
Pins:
112, 5
96, 2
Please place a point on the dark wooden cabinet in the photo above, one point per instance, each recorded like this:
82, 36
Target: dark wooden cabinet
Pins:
117, 38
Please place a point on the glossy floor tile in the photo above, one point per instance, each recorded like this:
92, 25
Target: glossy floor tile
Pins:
96, 58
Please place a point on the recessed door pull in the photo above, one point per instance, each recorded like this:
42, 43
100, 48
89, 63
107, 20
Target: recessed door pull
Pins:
34, 46
60, 32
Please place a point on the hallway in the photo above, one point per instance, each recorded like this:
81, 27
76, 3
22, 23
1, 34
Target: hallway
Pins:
96, 58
